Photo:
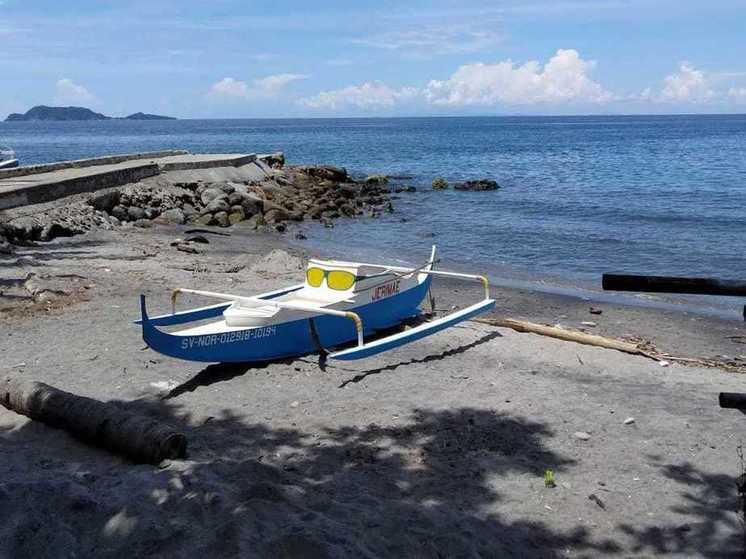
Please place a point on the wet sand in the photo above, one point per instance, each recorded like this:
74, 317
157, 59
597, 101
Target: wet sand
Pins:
437, 449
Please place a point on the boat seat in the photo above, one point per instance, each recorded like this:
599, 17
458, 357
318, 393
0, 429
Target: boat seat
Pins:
239, 315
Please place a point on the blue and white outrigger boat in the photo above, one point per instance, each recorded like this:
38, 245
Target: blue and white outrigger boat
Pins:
339, 303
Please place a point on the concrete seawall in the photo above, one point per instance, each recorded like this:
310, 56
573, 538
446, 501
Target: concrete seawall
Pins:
75, 177
83, 163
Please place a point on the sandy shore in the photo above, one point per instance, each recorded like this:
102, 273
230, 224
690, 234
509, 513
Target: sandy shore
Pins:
437, 449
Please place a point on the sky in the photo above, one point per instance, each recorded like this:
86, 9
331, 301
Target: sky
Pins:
282, 58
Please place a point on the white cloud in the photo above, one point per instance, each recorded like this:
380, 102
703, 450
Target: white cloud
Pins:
69, 92
230, 87
268, 86
563, 79
688, 84
273, 84
369, 95
435, 40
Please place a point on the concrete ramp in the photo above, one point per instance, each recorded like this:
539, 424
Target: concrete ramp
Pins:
69, 178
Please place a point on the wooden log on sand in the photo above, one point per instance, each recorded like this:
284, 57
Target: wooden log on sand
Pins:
106, 425
567, 335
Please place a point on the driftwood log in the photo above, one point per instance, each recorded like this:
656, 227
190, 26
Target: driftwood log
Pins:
106, 425
567, 335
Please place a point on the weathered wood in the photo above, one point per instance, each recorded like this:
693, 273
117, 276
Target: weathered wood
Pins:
102, 424
665, 284
562, 334
734, 400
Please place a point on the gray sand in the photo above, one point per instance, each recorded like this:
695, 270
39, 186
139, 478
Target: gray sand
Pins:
437, 449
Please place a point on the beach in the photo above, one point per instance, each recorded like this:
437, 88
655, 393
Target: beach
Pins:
438, 448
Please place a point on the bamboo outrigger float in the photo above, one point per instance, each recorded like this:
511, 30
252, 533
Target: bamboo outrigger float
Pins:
339, 303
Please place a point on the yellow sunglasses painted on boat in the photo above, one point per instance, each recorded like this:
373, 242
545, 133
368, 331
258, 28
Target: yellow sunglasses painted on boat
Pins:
339, 280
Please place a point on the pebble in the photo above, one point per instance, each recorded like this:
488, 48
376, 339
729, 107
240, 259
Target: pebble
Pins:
629, 421
295, 404
594, 310
663, 363
588, 323
582, 435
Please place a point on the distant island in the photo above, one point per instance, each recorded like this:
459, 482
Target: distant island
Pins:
44, 113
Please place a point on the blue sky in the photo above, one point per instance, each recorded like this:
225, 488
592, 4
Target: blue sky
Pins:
230, 58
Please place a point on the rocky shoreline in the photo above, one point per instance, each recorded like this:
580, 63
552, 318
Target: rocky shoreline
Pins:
281, 195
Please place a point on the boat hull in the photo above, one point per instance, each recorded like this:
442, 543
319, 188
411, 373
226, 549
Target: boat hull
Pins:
277, 341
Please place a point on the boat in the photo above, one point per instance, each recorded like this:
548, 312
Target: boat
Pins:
339, 303
7, 158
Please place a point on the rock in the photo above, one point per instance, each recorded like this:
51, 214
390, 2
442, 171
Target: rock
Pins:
151, 213
135, 213
440, 183
280, 227
187, 248
189, 210
477, 185
399, 189
221, 219
377, 179
53, 230
209, 194
216, 205
582, 435
327, 172
274, 160
205, 219
105, 202
594, 310
228, 188
588, 323
276, 215
252, 204
236, 216
629, 421
143, 223
235, 198
197, 239
174, 216
120, 212
300, 236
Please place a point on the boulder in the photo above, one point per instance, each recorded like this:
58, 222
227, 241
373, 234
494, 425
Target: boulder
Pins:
276, 215
173, 216
189, 210
221, 219
209, 194
205, 219
274, 160
399, 189
236, 215
252, 204
477, 185
377, 179
255, 221
228, 188
440, 183
105, 201
120, 212
135, 213
327, 172
216, 205
235, 198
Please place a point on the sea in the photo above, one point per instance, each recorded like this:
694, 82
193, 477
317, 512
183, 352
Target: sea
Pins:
579, 196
